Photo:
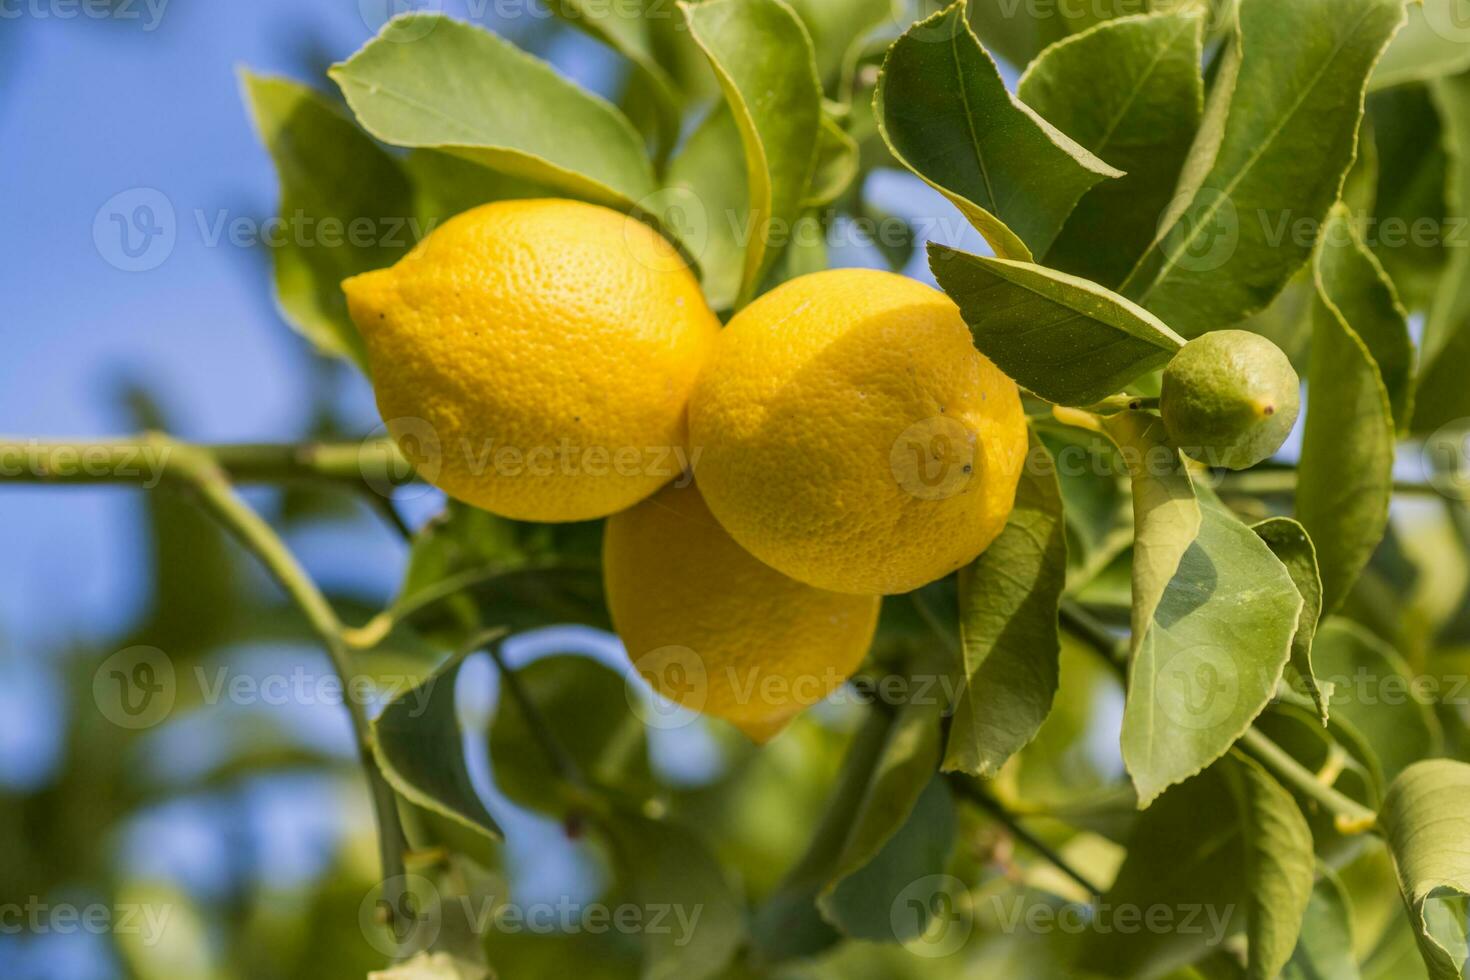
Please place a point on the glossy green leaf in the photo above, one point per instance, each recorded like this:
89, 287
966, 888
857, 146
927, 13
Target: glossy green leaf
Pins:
1434, 43
585, 706
1362, 292
1214, 614
429, 81
665, 865
946, 114
1008, 627
1375, 692
329, 171
1443, 396
1426, 817
1345, 480
879, 902
1066, 339
1277, 139
1289, 542
763, 59
1278, 867
1145, 96
1324, 951
419, 745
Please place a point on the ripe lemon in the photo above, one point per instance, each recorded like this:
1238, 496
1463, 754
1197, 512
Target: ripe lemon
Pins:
1230, 398
847, 433
712, 628
534, 358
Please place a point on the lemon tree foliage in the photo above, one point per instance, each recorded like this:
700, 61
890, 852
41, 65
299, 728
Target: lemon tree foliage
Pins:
1009, 625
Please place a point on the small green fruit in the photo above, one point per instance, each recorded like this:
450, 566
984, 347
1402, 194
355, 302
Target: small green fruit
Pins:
1230, 398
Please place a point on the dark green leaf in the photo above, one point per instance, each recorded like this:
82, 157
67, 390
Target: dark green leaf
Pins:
1345, 479
420, 748
1426, 816
1278, 136
329, 171
1278, 867
1289, 542
1008, 627
1066, 339
763, 59
1143, 105
1324, 951
429, 81
1412, 183
585, 707
946, 114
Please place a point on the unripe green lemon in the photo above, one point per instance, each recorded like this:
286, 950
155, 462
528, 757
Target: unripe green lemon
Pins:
1230, 398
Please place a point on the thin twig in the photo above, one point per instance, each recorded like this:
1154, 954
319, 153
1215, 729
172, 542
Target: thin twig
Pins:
1349, 816
968, 789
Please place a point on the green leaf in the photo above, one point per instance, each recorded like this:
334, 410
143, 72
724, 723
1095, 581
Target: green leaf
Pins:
1214, 614
1426, 817
445, 185
946, 114
1008, 627
1145, 96
1376, 693
329, 171
836, 26
887, 767
1443, 397
880, 901
419, 746
1066, 339
1435, 42
762, 56
705, 202
1345, 478
836, 166
1413, 178
626, 27
1278, 137
429, 81
1278, 867
664, 865
585, 707
1290, 543
1324, 951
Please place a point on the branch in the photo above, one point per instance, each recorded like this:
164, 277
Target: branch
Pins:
970, 790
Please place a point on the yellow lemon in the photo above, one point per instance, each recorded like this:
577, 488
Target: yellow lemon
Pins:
715, 630
534, 358
847, 433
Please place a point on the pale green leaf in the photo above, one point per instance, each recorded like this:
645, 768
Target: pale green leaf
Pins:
1145, 96
946, 114
419, 745
1345, 480
836, 26
836, 166
665, 865
1426, 818
763, 58
429, 81
1290, 543
706, 203
1434, 43
1008, 627
1278, 137
1067, 339
330, 171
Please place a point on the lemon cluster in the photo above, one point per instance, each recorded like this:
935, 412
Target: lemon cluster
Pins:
840, 439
